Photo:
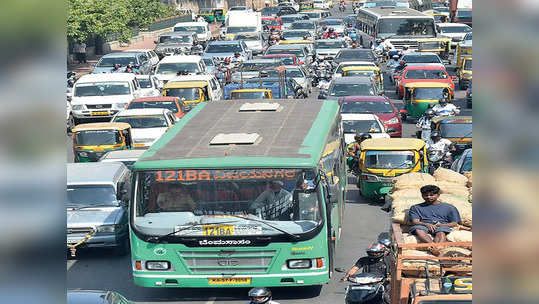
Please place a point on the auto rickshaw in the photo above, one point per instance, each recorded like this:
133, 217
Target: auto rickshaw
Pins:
92, 140
382, 159
306, 6
191, 92
465, 72
457, 129
369, 71
211, 14
251, 94
418, 96
463, 49
441, 46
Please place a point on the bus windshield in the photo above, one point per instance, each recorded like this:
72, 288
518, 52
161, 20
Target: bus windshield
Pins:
250, 201
395, 27
389, 159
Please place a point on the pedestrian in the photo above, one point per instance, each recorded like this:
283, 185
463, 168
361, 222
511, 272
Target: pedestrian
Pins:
79, 48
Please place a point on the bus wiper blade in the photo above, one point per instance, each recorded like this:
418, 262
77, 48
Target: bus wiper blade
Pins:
294, 236
157, 239
77, 208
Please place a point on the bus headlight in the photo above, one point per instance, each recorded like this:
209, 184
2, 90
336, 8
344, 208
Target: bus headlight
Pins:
158, 265
299, 264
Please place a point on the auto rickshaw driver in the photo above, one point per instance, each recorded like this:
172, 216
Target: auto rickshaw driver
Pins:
353, 150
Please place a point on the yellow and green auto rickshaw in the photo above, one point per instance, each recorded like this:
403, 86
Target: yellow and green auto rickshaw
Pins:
212, 14
191, 92
92, 140
369, 71
457, 129
382, 159
418, 96
306, 6
440, 46
251, 94
465, 72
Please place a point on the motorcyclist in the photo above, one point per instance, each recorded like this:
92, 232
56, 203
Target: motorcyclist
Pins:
444, 108
353, 149
260, 295
342, 5
437, 143
424, 124
330, 34
376, 262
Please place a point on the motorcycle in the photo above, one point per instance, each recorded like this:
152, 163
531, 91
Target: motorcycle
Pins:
367, 288
438, 158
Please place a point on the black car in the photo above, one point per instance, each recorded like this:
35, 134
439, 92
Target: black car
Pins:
95, 297
354, 55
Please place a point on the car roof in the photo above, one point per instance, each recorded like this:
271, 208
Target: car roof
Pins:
452, 24
180, 33
422, 66
323, 40
181, 58
419, 54
352, 79
278, 55
199, 77
155, 98
224, 42
202, 23
120, 54
358, 116
104, 77
93, 173
364, 98
122, 154
304, 21
262, 60
137, 112
286, 46
293, 15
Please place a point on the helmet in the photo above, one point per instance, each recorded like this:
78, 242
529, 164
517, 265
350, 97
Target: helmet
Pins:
324, 27
443, 100
429, 113
378, 40
395, 57
386, 242
376, 250
227, 60
237, 54
260, 295
362, 136
434, 134
331, 29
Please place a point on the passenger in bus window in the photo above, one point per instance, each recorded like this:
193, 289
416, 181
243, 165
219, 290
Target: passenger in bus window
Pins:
176, 199
274, 195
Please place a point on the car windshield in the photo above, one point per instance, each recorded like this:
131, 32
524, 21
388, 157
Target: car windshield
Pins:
87, 195
111, 61
331, 22
145, 83
185, 93
223, 48
143, 121
269, 11
352, 55
389, 159
247, 95
189, 201
429, 93
425, 74
197, 29
464, 14
97, 137
102, 89
174, 68
468, 65
456, 130
240, 29
405, 27
468, 36
154, 104
385, 3
350, 89
329, 44
302, 25
176, 39
289, 19
257, 66
421, 58
208, 61
455, 29
247, 37
361, 126
296, 52
296, 34
366, 107
314, 15
269, 22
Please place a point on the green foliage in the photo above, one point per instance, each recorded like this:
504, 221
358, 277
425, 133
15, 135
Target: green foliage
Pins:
87, 18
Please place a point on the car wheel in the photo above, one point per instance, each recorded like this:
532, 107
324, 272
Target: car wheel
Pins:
122, 248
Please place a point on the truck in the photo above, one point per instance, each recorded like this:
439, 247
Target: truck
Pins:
460, 11
242, 22
422, 279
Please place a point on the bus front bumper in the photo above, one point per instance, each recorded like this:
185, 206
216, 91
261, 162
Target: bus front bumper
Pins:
146, 279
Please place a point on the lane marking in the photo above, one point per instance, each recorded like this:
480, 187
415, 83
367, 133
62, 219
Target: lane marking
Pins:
211, 300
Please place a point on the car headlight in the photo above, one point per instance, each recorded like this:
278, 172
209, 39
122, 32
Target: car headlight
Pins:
299, 264
119, 106
158, 265
393, 120
108, 228
78, 107
83, 154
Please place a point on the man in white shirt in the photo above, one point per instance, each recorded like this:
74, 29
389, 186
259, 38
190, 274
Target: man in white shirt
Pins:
444, 108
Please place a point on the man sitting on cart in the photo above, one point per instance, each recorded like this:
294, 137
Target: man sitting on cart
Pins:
433, 219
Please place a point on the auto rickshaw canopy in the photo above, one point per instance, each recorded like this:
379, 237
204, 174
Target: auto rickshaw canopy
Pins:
185, 84
399, 144
455, 119
102, 126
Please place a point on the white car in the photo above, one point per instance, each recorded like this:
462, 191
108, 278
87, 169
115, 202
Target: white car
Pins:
147, 125
202, 30
150, 54
149, 85
362, 123
169, 66
103, 95
455, 31
464, 163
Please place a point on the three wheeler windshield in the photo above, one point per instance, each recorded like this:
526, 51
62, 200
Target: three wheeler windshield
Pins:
389, 159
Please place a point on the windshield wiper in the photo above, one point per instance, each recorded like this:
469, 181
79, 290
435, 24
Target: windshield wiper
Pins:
294, 236
76, 208
156, 239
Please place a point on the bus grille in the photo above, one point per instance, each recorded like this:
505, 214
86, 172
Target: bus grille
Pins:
228, 261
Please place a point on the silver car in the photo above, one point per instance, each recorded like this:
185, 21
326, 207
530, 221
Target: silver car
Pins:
97, 201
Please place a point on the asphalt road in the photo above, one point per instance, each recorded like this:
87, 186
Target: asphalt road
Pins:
363, 223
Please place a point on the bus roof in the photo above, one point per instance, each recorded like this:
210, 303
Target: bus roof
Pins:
294, 136
393, 12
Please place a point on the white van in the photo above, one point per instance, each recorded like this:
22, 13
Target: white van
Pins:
200, 28
215, 91
103, 95
170, 66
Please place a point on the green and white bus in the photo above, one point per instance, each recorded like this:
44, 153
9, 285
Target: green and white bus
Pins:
241, 194
401, 26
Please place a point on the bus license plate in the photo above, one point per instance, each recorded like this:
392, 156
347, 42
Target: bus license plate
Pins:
217, 230
99, 113
229, 281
